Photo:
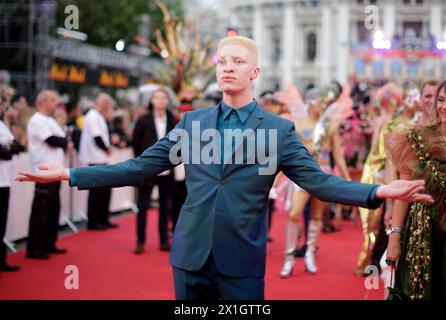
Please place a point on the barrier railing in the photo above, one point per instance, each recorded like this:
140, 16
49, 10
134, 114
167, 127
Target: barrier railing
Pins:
73, 201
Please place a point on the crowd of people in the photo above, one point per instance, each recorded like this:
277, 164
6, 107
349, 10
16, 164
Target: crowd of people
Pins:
373, 135
368, 132
51, 130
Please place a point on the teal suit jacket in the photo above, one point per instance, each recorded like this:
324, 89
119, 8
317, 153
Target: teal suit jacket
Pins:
225, 208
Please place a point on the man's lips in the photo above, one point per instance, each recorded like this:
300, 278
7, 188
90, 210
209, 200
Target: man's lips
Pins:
228, 78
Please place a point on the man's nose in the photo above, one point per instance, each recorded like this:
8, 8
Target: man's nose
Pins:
229, 67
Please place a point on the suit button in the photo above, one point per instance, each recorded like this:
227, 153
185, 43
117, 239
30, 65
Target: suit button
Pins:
222, 181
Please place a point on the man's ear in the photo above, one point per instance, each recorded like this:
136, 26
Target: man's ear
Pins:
255, 73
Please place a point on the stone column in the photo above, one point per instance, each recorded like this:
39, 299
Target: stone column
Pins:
258, 35
288, 37
389, 20
325, 47
435, 27
342, 46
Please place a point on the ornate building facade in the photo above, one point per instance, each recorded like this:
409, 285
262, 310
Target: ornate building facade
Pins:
316, 41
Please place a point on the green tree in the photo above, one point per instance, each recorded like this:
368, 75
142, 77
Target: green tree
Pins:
105, 22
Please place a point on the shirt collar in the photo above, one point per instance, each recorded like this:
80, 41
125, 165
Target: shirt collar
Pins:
43, 115
243, 112
157, 116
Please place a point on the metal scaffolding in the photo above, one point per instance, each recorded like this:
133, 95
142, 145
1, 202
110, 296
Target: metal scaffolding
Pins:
29, 56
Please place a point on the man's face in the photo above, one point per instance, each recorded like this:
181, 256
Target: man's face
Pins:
236, 68
51, 102
427, 99
109, 113
441, 105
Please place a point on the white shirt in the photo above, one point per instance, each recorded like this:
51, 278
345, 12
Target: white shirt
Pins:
40, 128
161, 127
180, 172
6, 138
94, 126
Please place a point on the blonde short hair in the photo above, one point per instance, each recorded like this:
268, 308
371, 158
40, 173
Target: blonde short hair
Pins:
245, 42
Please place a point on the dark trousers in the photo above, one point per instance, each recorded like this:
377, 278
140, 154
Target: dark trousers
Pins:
211, 285
4, 201
270, 209
98, 206
44, 220
438, 262
164, 184
178, 201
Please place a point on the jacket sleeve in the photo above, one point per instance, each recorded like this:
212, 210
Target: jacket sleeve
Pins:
16, 147
153, 161
298, 165
5, 154
100, 143
57, 142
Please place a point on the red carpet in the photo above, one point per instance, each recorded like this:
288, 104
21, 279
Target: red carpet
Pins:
109, 270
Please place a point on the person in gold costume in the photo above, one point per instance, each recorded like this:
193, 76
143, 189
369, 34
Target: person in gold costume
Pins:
389, 98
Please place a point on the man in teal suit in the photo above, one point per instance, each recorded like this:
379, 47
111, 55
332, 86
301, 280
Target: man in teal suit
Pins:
219, 245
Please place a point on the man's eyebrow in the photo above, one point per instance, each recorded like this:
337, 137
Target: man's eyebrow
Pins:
231, 57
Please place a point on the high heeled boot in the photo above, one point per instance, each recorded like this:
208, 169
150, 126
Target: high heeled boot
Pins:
293, 231
314, 229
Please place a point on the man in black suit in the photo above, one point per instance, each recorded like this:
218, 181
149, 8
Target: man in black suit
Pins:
148, 130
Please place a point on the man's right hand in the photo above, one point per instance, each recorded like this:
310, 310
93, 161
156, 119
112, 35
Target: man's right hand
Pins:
51, 173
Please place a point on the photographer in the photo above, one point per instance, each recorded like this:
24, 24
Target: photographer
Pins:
8, 148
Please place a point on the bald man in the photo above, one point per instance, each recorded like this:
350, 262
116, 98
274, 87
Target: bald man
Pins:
47, 143
219, 244
95, 149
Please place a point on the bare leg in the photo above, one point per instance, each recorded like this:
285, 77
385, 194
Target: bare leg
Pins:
369, 230
293, 231
338, 217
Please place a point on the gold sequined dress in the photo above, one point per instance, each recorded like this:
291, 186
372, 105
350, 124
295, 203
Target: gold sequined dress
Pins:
421, 271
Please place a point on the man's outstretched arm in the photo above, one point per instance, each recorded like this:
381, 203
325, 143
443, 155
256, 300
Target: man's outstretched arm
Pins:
127, 173
300, 167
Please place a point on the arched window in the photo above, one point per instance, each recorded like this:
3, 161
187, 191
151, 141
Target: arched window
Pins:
311, 46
